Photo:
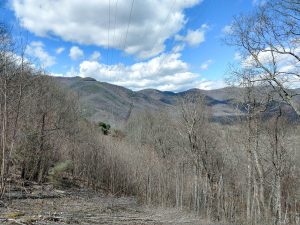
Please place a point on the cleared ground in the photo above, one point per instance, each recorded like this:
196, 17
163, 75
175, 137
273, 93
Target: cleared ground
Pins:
45, 205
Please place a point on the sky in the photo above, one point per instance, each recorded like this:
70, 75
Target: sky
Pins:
170, 45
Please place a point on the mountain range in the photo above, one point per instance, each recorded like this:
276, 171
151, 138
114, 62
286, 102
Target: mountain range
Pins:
110, 103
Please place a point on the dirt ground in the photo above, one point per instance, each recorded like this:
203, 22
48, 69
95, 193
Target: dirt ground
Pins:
44, 205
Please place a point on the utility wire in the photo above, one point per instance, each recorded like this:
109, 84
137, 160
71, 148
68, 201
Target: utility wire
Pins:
108, 32
116, 11
130, 15
114, 35
129, 21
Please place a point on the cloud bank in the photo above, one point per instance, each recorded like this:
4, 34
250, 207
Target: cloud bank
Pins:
35, 50
109, 24
166, 72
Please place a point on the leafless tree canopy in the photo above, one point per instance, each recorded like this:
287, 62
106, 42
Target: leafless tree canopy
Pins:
245, 173
268, 41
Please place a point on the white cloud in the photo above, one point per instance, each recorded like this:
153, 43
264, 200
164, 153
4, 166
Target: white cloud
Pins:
205, 65
166, 72
282, 60
237, 56
76, 53
152, 22
35, 50
286, 65
227, 29
18, 59
59, 50
194, 37
95, 56
178, 48
211, 84
56, 74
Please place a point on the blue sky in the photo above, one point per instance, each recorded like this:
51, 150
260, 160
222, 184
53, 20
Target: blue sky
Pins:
164, 44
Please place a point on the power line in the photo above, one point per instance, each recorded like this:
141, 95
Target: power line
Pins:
116, 10
108, 32
115, 23
125, 41
129, 21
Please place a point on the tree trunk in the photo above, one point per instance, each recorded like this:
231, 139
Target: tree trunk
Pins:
277, 206
4, 127
249, 188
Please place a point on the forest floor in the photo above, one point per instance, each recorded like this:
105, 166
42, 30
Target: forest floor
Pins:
46, 205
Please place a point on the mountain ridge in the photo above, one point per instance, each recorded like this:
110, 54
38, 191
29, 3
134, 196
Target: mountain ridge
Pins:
111, 103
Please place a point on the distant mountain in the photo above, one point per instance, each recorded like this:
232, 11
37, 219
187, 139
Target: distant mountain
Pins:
111, 103
102, 101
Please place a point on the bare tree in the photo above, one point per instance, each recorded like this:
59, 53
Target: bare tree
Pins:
50, 112
14, 79
200, 136
279, 153
268, 42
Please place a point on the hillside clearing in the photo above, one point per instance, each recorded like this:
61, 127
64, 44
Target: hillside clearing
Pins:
84, 206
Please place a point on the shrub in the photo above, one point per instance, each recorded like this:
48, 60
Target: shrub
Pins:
105, 128
56, 174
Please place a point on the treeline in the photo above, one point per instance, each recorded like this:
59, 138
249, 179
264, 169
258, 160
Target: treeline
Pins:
244, 173
37, 116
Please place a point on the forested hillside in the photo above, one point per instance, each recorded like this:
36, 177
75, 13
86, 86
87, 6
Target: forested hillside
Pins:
113, 104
